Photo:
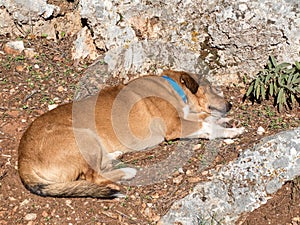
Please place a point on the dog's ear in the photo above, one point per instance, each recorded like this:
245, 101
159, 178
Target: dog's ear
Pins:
189, 82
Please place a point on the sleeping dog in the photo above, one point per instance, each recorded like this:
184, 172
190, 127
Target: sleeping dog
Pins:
68, 151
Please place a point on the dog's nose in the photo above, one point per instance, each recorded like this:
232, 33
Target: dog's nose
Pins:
228, 106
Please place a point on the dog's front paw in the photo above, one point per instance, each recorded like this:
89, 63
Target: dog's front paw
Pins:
236, 132
115, 155
129, 173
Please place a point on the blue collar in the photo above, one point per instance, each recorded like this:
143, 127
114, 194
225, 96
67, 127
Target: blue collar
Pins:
176, 87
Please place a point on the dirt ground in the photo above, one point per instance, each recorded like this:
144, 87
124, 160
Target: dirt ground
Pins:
29, 87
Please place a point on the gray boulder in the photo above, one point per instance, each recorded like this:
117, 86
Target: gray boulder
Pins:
243, 185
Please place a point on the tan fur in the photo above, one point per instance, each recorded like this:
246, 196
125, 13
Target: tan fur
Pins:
65, 153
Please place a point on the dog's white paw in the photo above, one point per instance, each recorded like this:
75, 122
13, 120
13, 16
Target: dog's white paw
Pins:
224, 120
241, 130
236, 131
115, 155
129, 173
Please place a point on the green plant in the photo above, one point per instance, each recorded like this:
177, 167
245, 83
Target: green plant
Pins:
20, 58
280, 81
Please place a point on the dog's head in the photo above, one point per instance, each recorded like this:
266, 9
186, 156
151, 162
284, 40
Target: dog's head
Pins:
202, 96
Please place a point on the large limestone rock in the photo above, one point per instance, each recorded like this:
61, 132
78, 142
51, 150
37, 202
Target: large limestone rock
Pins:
37, 17
243, 185
226, 38
232, 38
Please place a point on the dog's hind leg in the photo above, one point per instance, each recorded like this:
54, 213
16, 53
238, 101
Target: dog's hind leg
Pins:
107, 177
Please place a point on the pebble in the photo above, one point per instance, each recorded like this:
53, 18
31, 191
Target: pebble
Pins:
30, 53
243, 7
189, 173
53, 106
25, 202
180, 170
45, 214
260, 130
14, 47
30, 216
19, 68
194, 179
197, 146
60, 89
12, 199
228, 141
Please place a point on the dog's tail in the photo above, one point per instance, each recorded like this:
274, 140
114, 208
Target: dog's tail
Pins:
78, 188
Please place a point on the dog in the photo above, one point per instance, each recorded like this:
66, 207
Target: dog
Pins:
67, 152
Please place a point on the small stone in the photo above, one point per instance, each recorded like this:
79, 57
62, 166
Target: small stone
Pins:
194, 179
53, 106
12, 199
14, 47
260, 130
155, 196
204, 173
180, 170
45, 214
23, 120
243, 7
148, 212
19, 68
228, 141
178, 179
30, 216
11, 91
29, 53
25, 202
36, 66
196, 147
189, 173
60, 89
156, 218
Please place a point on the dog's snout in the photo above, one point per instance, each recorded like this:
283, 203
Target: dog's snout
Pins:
228, 106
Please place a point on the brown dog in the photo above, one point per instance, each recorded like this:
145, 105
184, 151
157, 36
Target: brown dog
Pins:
67, 152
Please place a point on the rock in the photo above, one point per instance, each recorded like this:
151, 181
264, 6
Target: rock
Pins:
7, 25
220, 38
60, 89
30, 216
30, 53
84, 46
14, 47
228, 141
51, 107
146, 57
260, 130
19, 68
180, 170
45, 214
25, 202
243, 185
177, 180
27, 11
232, 38
38, 17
